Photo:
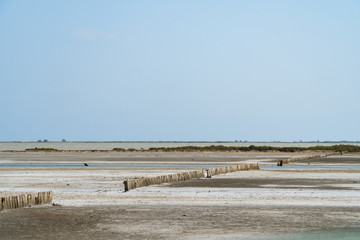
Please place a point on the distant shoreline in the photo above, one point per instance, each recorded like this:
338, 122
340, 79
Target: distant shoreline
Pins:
170, 146
181, 142
340, 148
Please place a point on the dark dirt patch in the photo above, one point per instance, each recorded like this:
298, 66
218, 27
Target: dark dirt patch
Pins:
324, 184
164, 221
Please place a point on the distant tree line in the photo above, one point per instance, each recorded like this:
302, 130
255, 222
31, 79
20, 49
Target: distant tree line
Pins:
221, 148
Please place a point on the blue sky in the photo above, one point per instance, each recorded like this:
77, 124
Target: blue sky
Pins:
179, 70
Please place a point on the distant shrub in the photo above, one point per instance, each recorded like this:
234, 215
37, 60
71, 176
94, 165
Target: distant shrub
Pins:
41, 150
337, 148
119, 149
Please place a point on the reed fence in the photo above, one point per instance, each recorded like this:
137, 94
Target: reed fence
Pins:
25, 200
130, 184
297, 159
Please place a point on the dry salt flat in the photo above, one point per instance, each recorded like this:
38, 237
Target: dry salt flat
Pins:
262, 204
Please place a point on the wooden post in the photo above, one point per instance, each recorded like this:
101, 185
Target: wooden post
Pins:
126, 185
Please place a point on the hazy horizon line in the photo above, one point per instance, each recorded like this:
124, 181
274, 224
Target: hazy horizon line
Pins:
183, 141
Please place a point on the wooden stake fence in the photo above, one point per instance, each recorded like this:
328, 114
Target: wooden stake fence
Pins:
289, 160
147, 181
25, 200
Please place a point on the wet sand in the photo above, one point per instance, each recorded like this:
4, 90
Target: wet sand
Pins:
143, 156
291, 183
260, 204
347, 159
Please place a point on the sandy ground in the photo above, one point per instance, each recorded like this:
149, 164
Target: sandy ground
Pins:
242, 205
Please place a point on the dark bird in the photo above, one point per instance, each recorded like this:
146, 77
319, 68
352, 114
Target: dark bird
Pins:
86, 164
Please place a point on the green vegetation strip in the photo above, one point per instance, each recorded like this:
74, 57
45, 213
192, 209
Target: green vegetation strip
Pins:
219, 148
41, 150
